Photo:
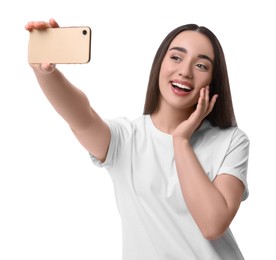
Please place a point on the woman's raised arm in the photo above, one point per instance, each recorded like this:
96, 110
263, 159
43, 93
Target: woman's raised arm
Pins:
71, 103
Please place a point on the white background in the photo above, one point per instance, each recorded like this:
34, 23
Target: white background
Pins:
54, 203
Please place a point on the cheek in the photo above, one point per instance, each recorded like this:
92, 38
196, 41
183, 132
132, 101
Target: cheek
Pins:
210, 78
162, 75
166, 68
162, 71
165, 75
203, 81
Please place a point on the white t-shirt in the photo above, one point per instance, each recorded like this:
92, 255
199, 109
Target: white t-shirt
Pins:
156, 224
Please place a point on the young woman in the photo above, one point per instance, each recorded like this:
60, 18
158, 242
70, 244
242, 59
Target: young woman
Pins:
179, 170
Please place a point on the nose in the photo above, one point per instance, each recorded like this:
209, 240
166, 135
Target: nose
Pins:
185, 71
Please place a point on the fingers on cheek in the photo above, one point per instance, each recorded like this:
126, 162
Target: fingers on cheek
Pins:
202, 93
207, 93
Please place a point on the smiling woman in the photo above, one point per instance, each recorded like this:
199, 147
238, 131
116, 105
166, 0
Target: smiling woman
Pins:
176, 197
222, 114
187, 65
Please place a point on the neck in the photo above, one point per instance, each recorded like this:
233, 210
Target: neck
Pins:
166, 120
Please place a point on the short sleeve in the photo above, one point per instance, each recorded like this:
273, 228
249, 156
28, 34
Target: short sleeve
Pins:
120, 129
111, 148
236, 160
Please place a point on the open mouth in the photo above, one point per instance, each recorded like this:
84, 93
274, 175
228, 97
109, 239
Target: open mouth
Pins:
181, 87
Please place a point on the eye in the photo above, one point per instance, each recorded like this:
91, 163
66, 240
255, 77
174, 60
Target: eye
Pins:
176, 58
202, 66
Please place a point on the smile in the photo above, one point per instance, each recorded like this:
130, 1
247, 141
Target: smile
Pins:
181, 87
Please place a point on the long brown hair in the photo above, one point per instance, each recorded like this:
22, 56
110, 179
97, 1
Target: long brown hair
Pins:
222, 114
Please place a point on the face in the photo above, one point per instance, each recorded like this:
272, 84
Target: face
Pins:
186, 68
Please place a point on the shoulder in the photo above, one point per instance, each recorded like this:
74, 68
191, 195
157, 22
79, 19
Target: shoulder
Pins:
231, 132
240, 134
208, 135
124, 125
126, 122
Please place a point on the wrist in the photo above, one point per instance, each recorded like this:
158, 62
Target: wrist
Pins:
177, 139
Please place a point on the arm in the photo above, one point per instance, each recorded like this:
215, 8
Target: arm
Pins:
213, 205
72, 104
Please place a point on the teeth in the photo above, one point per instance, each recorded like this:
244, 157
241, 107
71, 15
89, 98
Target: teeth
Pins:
181, 86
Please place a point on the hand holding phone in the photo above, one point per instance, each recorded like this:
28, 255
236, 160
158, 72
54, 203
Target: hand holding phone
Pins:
59, 45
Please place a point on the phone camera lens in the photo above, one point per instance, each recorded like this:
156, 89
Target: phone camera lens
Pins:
84, 32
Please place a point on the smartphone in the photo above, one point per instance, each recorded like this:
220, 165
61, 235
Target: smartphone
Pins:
62, 45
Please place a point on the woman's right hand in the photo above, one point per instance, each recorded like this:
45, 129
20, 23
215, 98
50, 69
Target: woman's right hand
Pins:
41, 25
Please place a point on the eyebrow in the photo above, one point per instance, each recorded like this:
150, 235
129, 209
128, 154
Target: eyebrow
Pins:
201, 56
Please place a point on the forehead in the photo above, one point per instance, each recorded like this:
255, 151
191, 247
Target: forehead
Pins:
193, 42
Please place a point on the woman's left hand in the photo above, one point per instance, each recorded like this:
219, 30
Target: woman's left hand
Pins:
203, 108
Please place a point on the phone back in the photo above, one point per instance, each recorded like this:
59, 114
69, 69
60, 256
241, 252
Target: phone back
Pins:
60, 45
